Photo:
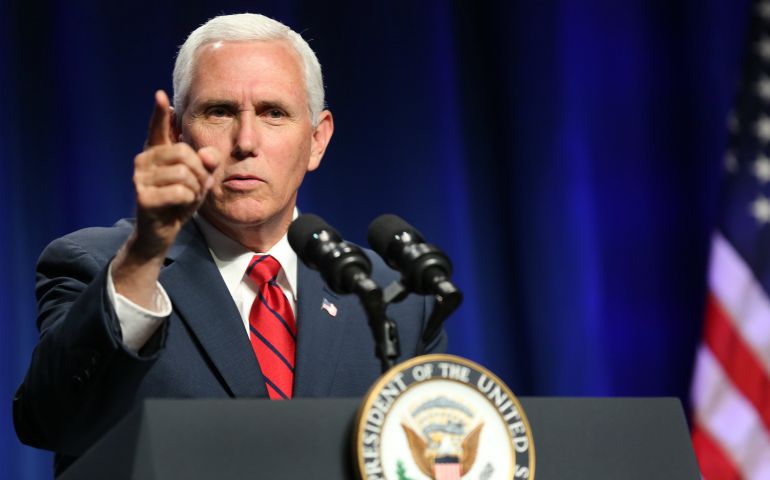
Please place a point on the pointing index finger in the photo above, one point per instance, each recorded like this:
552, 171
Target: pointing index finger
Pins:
159, 132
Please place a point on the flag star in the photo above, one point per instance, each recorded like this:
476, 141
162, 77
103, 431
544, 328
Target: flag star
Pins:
761, 169
763, 88
763, 128
763, 48
760, 209
731, 162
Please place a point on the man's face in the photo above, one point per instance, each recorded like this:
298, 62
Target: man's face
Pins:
248, 100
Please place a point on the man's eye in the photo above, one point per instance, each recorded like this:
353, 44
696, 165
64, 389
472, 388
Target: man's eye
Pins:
217, 112
275, 113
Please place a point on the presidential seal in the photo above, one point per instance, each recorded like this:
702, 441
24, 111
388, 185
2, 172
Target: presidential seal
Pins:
442, 417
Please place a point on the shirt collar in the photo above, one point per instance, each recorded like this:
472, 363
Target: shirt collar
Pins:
232, 258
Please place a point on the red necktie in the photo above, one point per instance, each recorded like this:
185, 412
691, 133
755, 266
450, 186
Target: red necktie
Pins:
273, 329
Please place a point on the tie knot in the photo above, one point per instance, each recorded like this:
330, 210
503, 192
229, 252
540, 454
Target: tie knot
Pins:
263, 268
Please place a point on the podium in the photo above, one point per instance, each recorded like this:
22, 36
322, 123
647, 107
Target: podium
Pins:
575, 438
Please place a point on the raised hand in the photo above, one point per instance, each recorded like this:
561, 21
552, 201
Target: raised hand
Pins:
171, 181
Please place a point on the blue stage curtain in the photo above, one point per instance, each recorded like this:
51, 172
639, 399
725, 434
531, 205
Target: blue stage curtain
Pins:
566, 154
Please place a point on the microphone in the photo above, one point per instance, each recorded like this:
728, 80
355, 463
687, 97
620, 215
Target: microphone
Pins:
346, 269
425, 268
343, 266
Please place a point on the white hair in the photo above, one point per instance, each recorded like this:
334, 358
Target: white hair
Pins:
239, 28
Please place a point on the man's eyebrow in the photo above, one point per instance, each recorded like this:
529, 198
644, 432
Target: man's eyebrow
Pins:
229, 104
270, 104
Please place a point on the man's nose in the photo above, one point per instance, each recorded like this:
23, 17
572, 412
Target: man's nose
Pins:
246, 136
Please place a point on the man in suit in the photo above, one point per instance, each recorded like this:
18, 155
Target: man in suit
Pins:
168, 305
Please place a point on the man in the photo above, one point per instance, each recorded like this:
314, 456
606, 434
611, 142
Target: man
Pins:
169, 305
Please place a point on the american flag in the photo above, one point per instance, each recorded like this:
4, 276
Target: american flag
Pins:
330, 308
731, 385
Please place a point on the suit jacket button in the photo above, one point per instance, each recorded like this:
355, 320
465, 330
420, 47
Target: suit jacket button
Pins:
78, 380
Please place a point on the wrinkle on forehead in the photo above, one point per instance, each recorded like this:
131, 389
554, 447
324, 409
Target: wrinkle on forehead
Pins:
219, 44
222, 65
270, 73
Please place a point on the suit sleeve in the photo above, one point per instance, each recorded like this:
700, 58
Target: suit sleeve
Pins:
81, 378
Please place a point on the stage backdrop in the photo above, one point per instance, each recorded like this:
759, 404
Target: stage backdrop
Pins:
566, 154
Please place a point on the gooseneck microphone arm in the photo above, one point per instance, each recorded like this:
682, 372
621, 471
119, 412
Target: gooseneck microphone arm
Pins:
425, 269
384, 329
346, 269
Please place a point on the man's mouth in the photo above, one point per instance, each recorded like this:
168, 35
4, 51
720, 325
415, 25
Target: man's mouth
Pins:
242, 182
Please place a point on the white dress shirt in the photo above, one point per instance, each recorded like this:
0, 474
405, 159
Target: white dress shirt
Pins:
137, 324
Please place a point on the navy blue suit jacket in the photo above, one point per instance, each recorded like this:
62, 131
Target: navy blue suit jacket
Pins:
82, 380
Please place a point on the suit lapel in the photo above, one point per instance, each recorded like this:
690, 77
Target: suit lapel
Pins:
200, 296
319, 334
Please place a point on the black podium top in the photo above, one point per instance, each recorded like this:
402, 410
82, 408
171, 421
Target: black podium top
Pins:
575, 438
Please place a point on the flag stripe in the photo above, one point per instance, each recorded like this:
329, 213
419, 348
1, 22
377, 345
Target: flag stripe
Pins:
722, 412
447, 471
744, 299
738, 362
711, 457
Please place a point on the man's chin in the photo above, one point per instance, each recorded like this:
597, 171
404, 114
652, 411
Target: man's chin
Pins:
240, 217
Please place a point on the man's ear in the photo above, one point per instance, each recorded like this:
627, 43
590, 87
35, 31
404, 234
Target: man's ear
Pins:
321, 137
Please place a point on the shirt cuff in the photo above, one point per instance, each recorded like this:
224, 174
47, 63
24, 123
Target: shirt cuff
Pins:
137, 324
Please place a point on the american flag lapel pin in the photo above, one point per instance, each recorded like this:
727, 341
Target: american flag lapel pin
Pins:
330, 308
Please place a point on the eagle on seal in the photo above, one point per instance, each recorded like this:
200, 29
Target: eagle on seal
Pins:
427, 452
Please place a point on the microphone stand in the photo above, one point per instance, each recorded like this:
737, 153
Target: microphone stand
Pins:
446, 301
384, 329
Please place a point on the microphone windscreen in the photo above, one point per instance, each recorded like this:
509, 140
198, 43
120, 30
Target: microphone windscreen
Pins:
384, 229
302, 229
